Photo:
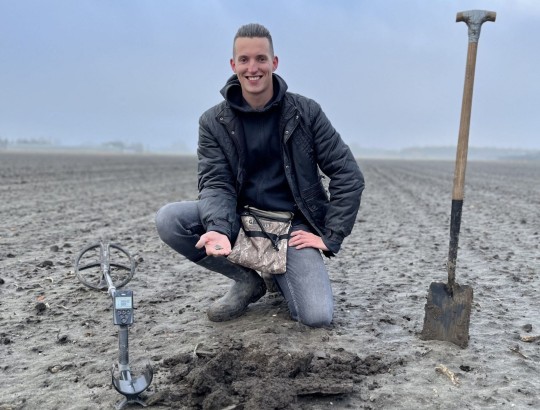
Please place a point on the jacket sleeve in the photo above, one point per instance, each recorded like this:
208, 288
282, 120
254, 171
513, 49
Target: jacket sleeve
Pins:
337, 162
216, 182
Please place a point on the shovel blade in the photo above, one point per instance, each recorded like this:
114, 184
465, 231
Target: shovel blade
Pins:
447, 316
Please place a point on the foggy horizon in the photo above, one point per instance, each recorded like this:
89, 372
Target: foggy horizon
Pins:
388, 74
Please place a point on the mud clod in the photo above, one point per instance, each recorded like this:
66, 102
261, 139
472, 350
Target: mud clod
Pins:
252, 377
45, 264
40, 307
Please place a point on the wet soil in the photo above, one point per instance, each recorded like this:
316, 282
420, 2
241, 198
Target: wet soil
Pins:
58, 343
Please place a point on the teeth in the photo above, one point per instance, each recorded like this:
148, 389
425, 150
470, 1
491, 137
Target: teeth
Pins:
253, 78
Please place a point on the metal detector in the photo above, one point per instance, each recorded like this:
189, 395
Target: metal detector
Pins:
122, 378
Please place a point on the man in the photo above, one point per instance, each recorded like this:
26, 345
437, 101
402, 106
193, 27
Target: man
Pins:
263, 146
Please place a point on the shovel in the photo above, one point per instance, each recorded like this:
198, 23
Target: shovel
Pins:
448, 306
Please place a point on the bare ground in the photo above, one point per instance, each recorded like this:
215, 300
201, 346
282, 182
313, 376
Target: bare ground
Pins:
58, 343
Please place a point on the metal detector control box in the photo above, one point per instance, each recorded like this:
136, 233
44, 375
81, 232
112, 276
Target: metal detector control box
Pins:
123, 307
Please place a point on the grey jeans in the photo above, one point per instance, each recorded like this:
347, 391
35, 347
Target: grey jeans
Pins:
305, 285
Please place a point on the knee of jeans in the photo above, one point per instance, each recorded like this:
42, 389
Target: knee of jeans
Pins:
164, 221
317, 318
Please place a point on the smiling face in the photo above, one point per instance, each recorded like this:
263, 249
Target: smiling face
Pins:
253, 62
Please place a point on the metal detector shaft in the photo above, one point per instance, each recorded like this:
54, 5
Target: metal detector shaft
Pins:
106, 267
123, 352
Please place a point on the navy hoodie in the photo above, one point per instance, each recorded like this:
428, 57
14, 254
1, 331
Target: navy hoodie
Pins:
266, 186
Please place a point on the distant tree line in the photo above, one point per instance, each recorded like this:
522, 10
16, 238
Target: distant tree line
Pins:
117, 146
123, 147
4, 142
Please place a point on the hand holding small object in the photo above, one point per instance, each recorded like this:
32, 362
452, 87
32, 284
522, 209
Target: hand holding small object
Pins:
215, 243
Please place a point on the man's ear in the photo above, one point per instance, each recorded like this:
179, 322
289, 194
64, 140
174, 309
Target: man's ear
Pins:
233, 65
275, 62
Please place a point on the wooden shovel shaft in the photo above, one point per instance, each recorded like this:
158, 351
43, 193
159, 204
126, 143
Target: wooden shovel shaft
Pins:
474, 20
464, 125
461, 163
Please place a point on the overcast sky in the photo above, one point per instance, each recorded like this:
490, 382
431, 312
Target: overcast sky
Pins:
388, 73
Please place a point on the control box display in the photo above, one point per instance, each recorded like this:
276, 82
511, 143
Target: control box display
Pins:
123, 307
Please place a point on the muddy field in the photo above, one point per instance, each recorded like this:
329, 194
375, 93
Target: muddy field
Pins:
58, 343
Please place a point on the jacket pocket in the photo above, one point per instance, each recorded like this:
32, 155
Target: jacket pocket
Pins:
316, 201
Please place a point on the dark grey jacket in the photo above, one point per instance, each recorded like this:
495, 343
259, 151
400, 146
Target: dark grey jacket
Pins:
310, 145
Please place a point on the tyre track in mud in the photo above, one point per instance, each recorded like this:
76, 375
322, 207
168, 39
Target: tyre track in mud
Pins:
415, 198
413, 214
485, 210
401, 234
89, 191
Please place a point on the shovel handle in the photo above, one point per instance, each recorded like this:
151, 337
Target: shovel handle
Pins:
461, 163
474, 20
464, 124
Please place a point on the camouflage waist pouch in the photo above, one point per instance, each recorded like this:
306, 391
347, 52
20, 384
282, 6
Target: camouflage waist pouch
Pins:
262, 241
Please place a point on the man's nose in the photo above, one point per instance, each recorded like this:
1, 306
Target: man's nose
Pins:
253, 66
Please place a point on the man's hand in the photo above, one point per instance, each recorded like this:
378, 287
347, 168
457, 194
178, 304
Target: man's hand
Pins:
303, 239
216, 244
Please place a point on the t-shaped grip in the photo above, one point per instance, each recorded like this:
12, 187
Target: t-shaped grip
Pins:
474, 20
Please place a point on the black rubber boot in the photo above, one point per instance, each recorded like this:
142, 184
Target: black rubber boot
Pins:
247, 288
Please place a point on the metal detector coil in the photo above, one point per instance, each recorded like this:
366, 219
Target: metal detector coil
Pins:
124, 382
124, 271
